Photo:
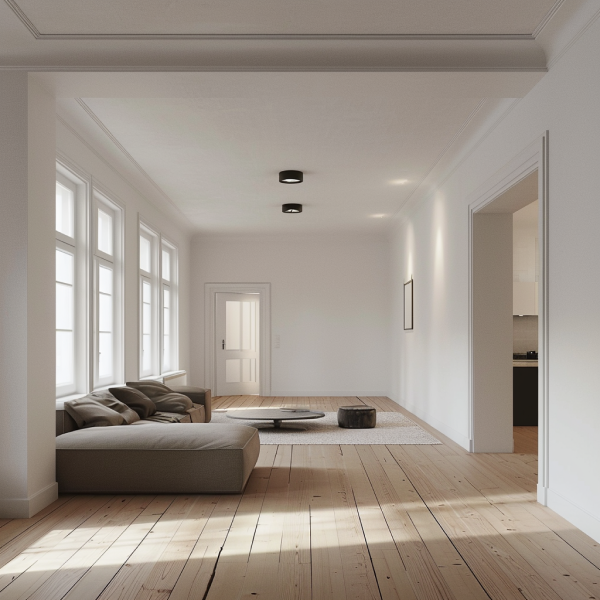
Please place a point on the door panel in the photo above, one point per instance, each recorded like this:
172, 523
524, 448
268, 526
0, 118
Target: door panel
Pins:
237, 327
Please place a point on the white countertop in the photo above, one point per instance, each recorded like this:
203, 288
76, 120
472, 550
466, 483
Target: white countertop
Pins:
525, 363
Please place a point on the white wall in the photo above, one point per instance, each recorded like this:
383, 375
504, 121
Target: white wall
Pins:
27, 309
433, 243
329, 305
136, 207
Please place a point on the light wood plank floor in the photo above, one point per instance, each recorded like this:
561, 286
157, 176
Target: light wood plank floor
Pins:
318, 523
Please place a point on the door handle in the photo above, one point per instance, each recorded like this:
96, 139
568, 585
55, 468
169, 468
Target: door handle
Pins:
223, 345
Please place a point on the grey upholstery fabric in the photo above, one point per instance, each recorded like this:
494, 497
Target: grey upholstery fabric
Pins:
197, 396
169, 417
173, 402
166, 400
197, 414
109, 400
150, 387
154, 458
99, 411
135, 399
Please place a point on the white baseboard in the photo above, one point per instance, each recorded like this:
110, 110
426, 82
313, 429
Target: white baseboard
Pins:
462, 440
327, 393
24, 508
582, 519
542, 495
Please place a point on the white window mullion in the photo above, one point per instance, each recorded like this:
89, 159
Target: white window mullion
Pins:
107, 292
66, 372
168, 307
147, 329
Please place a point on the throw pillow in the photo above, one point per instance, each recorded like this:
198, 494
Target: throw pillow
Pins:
173, 402
108, 400
165, 399
150, 388
88, 412
135, 400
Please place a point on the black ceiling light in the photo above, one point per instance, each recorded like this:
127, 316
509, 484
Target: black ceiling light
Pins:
291, 208
291, 176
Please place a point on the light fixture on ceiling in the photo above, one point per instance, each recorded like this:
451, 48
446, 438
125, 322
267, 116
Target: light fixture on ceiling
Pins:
291, 208
291, 176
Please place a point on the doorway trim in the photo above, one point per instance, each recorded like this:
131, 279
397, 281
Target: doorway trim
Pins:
210, 336
533, 157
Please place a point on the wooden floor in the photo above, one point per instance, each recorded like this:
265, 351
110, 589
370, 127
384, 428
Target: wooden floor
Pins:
315, 522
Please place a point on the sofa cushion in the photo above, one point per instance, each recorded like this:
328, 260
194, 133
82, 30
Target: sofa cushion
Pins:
151, 458
109, 400
135, 400
165, 399
198, 396
89, 412
169, 417
149, 387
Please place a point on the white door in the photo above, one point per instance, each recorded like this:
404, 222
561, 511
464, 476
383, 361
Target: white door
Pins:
237, 329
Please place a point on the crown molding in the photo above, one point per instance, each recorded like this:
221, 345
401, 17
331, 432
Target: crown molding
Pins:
38, 35
121, 148
547, 18
261, 69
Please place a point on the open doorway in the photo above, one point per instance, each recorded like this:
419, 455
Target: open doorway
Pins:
495, 297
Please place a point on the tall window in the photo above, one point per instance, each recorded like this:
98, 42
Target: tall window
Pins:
66, 281
158, 304
89, 288
148, 302
107, 290
169, 306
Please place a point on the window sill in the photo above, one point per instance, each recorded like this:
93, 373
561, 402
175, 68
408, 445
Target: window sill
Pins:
163, 376
60, 402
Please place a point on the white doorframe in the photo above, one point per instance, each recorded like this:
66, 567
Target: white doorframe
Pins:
532, 158
210, 304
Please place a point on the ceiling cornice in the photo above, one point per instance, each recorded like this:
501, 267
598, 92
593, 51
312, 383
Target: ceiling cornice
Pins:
262, 69
38, 35
92, 115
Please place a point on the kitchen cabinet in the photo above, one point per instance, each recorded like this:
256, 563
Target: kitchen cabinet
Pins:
525, 395
525, 297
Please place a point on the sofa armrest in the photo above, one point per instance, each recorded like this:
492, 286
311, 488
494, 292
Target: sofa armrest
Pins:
197, 396
64, 422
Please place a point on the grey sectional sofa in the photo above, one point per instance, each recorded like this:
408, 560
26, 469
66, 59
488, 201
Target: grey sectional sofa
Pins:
148, 457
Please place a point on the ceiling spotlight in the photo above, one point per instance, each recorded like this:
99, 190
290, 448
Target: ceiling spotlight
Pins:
291, 208
290, 177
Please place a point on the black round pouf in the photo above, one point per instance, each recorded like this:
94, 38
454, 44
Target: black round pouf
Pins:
357, 417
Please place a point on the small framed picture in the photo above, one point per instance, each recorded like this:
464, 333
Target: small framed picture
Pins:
408, 304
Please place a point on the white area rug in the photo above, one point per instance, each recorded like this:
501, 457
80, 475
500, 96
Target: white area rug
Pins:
392, 428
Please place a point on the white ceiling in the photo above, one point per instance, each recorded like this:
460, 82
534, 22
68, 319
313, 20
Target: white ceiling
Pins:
520, 195
357, 95
215, 145
527, 217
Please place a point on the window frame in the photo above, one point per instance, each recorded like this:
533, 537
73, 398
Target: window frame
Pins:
158, 244
115, 262
151, 278
172, 284
77, 245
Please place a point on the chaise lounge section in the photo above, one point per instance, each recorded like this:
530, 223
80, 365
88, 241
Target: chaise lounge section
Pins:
168, 454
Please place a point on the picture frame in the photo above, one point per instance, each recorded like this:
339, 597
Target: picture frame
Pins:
408, 305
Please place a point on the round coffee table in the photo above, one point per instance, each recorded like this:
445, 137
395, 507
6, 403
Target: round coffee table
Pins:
277, 415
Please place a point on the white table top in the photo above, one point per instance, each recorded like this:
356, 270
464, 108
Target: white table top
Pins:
274, 414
